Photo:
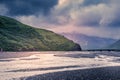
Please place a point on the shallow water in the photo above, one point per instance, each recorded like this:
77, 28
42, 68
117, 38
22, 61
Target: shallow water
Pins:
23, 64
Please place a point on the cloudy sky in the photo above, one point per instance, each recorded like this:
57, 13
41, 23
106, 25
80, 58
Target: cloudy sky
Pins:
91, 17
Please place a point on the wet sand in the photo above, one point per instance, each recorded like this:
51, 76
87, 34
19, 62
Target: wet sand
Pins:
104, 73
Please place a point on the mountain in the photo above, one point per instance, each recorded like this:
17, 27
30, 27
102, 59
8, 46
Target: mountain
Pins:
89, 42
115, 45
16, 36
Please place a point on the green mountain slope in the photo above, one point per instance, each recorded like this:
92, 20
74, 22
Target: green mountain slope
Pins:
15, 36
115, 45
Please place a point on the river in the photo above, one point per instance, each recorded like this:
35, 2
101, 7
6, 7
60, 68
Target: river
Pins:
14, 65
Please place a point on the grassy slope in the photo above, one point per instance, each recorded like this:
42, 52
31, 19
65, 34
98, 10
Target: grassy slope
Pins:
15, 36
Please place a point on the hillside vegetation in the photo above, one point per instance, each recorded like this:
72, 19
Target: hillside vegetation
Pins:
16, 36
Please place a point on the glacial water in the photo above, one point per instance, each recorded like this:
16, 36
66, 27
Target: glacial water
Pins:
14, 65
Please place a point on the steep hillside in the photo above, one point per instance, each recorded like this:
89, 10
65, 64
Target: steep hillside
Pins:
15, 36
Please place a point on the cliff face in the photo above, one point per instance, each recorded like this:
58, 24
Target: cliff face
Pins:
16, 36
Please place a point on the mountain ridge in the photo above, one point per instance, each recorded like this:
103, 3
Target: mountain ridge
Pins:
89, 42
115, 45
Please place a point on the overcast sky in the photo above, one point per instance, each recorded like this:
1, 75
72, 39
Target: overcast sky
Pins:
91, 17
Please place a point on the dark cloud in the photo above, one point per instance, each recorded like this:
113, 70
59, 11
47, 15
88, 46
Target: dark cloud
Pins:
93, 13
28, 7
115, 23
92, 17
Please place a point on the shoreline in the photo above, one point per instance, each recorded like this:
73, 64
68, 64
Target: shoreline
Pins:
102, 73
6, 55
